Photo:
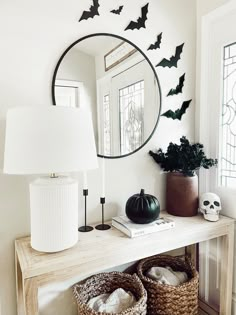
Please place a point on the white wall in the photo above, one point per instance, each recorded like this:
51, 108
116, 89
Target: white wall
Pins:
33, 37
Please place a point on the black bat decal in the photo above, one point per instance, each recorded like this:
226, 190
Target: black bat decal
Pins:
141, 20
118, 11
179, 87
157, 44
173, 59
93, 10
177, 114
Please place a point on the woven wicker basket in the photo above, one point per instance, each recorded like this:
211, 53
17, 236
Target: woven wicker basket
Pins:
107, 283
166, 299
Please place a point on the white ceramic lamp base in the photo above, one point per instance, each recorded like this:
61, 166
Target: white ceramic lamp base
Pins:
54, 213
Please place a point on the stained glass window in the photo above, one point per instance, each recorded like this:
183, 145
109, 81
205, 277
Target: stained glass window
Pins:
107, 125
131, 103
228, 124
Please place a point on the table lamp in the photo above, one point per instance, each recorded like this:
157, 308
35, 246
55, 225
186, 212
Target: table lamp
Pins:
50, 140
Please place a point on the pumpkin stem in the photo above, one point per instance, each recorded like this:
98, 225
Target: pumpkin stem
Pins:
142, 192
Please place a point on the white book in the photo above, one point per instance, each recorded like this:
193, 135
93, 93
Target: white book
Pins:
132, 229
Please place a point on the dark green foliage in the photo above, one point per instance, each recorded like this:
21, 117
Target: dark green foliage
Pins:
185, 158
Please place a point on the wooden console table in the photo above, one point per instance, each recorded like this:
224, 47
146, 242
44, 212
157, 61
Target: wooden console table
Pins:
100, 250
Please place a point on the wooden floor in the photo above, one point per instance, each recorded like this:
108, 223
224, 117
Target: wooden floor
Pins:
205, 309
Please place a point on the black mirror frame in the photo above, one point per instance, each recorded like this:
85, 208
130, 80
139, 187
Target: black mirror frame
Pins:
153, 69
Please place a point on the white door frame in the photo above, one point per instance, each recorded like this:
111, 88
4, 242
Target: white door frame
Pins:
203, 127
204, 108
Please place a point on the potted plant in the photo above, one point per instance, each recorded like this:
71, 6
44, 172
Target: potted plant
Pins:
181, 161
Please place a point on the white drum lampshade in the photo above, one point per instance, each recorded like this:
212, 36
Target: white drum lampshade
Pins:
50, 140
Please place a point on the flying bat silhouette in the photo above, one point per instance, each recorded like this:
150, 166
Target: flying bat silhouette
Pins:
140, 21
156, 44
118, 11
173, 59
93, 10
177, 114
179, 87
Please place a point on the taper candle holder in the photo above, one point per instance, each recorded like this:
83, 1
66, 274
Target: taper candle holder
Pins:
85, 227
102, 227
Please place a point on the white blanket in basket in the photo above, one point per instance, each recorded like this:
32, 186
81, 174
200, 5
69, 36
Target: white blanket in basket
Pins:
167, 275
116, 302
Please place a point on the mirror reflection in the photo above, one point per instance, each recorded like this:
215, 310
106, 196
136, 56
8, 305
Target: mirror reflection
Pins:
119, 85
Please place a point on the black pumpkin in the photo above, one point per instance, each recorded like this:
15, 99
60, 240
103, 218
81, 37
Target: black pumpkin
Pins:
142, 208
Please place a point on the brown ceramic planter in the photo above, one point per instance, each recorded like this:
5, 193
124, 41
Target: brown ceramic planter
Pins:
181, 195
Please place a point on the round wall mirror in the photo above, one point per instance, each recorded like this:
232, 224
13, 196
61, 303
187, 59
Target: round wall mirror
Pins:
117, 82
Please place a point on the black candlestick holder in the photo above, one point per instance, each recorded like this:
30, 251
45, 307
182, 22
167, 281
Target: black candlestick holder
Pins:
85, 227
102, 227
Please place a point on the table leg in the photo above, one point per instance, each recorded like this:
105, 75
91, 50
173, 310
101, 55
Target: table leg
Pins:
31, 296
192, 251
19, 288
226, 281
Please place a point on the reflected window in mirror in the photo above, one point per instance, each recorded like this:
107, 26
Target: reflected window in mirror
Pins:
124, 98
68, 93
131, 117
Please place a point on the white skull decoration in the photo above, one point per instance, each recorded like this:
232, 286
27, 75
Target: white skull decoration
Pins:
210, 206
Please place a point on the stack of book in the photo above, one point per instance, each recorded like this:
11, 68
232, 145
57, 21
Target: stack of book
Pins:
132, 229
